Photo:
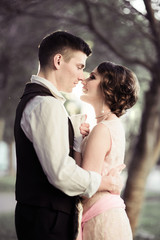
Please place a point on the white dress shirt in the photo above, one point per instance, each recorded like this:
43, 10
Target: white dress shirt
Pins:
45, 123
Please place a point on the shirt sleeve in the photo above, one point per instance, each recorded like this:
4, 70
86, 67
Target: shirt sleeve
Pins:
45, 123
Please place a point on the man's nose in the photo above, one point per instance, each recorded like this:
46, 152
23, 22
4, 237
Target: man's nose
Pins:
84, 81
81, 77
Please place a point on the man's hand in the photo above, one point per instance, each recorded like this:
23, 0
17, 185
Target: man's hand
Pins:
113, 182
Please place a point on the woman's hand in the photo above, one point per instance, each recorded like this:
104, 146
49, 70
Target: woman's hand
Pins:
84, 129
78, 120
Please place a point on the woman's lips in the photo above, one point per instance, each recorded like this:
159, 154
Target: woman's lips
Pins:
84, 90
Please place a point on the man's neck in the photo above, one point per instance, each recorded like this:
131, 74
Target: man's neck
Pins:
48, 75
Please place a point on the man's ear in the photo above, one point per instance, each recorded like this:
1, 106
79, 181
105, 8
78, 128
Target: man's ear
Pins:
57, 60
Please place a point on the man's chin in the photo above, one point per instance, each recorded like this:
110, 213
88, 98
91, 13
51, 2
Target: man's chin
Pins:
70, 91
67, 91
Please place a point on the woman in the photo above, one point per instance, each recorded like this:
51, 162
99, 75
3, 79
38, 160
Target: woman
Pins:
111, 89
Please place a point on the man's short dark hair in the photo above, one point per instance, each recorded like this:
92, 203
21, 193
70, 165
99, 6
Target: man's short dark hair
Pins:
60, 42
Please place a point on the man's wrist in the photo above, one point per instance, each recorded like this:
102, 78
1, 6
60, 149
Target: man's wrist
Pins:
95, 181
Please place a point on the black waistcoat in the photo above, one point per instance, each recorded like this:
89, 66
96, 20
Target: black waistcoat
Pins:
32, 185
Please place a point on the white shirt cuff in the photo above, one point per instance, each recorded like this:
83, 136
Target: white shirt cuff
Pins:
94, 184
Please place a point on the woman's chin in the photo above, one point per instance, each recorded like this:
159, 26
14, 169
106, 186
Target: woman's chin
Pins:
83, 97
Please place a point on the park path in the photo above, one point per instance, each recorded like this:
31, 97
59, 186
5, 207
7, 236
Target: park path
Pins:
7, 202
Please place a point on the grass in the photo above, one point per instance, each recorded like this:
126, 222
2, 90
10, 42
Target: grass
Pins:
149, 219
148, 228
7, 228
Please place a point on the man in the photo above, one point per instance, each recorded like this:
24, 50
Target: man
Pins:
48, 179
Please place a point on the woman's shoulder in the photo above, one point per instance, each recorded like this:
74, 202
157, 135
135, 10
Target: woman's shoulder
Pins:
98, 133
115, 127
112, 123
100, 128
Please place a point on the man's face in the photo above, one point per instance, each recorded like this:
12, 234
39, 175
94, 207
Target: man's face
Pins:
71, 72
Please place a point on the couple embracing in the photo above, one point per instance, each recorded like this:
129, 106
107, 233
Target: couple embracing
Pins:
68, 185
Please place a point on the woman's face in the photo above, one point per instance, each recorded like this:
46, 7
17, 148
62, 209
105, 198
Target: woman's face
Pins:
91, 88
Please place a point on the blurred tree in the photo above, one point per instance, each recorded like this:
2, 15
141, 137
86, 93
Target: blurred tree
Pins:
119, 32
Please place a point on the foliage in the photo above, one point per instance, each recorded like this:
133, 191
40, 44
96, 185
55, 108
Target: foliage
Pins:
24, 23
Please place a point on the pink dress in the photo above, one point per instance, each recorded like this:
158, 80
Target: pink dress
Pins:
104, 216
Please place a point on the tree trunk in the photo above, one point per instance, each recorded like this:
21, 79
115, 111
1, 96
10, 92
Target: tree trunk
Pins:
2, 124
146, 154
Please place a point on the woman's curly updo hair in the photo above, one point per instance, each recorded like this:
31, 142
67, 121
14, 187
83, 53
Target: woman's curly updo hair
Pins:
119, 86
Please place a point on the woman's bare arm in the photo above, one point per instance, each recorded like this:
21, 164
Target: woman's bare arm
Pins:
78, 158
97, 146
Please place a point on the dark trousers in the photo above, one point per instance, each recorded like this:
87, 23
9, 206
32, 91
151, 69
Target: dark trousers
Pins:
37, 223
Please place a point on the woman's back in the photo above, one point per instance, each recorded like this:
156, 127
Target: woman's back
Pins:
114, 158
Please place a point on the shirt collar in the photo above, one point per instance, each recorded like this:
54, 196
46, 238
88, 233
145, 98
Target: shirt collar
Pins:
49, 85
